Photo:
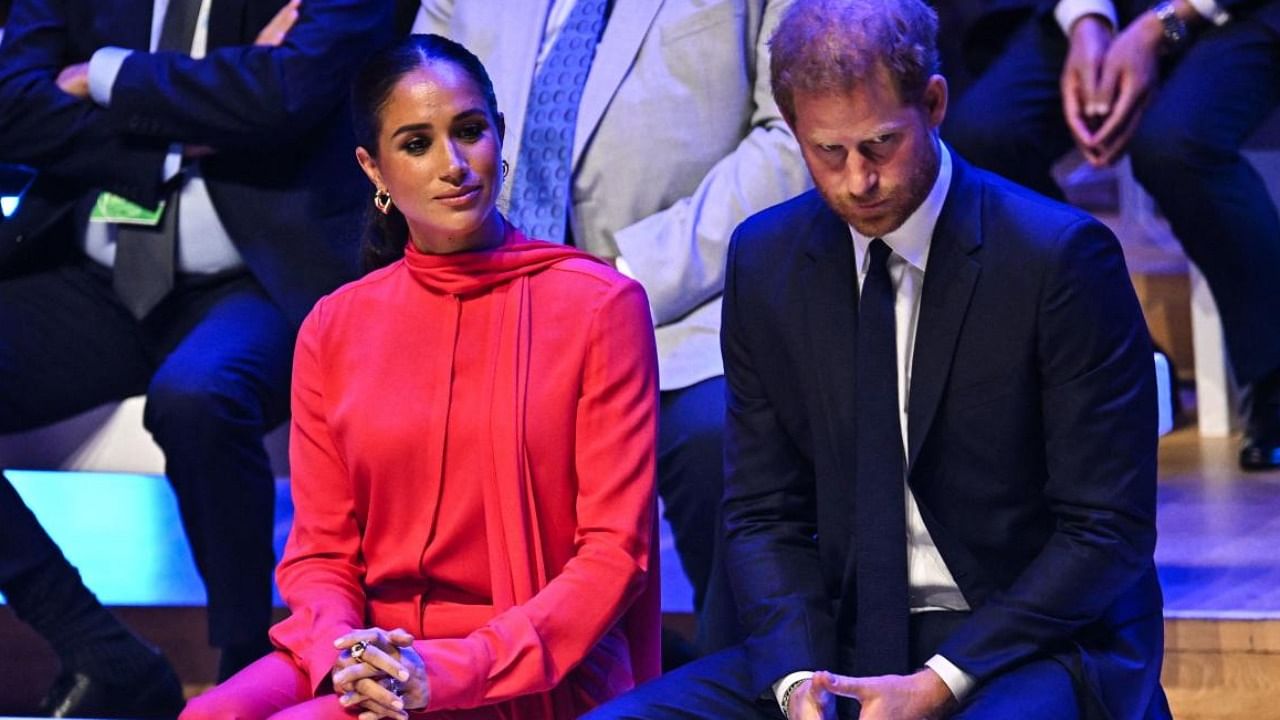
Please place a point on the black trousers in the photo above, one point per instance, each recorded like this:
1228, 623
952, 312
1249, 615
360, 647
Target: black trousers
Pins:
214, 361
691, 483
1185, 153
719, 686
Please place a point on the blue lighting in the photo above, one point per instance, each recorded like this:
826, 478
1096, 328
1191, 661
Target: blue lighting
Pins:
123, 533
15, 180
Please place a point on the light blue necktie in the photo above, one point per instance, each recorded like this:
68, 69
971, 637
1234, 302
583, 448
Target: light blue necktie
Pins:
540, 193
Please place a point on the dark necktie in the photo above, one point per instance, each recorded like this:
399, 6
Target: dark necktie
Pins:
880, 532
540, 191
143, 270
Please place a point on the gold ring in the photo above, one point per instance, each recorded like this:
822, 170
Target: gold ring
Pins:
357, 650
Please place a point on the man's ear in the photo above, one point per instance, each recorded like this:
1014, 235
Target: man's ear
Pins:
370, 167
935, 100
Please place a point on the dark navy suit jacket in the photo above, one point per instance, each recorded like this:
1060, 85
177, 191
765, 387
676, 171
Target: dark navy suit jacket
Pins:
283, 180
1032, 436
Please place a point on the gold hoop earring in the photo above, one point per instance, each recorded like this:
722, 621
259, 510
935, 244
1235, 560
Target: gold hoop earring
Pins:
506, 168
382, 201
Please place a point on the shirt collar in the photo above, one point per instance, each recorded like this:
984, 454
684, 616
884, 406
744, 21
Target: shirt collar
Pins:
912, 239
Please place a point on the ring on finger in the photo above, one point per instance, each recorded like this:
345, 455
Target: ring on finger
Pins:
357, 650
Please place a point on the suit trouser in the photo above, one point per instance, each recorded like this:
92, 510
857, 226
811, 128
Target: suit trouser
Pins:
1185, 153
720, 686
214, 360
691, 483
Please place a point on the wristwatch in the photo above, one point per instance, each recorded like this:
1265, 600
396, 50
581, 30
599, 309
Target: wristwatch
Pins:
1175, 31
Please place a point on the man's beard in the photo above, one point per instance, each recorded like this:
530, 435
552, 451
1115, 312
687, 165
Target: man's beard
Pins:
902, 201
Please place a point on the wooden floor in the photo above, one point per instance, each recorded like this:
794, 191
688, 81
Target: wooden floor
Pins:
1219, 545
1218, 557
1219, 562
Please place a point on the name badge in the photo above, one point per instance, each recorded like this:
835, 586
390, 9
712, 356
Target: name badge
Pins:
111, 208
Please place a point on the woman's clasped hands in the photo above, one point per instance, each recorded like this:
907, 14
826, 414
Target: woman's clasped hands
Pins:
380, 674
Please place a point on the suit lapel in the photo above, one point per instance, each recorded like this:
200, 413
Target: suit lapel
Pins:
628, 25
832, 315
949, 281
831, 308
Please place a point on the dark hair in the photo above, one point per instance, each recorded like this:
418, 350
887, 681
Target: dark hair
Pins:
385, 235
832, 45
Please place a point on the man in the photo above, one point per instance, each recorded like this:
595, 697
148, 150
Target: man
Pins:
196, 194
941, 439
1179, 86
664, 138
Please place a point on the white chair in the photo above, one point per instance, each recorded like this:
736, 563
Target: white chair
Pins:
1217, 397
109, 438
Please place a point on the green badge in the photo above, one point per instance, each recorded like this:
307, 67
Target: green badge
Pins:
112, 208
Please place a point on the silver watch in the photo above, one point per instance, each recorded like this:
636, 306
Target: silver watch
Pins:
1175, 31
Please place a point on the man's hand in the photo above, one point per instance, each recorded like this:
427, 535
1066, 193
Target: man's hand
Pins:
811, 702
1129, 73
74, 80
919, 696
273, 33
1084, 105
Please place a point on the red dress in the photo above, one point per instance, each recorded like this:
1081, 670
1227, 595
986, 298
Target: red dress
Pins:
473, 461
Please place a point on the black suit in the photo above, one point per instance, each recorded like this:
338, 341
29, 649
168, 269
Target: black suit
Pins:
214, 357
1185, 153
1032, 444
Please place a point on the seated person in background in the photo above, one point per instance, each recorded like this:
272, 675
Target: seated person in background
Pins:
941, 440
219, 127
1179, 87
655, 143
472, 445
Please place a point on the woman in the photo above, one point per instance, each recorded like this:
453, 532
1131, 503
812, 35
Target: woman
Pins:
472, 446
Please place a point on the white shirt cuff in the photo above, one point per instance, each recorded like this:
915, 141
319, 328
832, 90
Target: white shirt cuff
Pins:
1211, 11
104, 66
780, 687
958, 681
1067, 12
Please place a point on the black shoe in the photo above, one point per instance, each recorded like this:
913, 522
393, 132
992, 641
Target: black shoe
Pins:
157, 694
1260, 449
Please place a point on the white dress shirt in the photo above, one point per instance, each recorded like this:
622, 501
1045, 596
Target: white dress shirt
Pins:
204, 247
930, 585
